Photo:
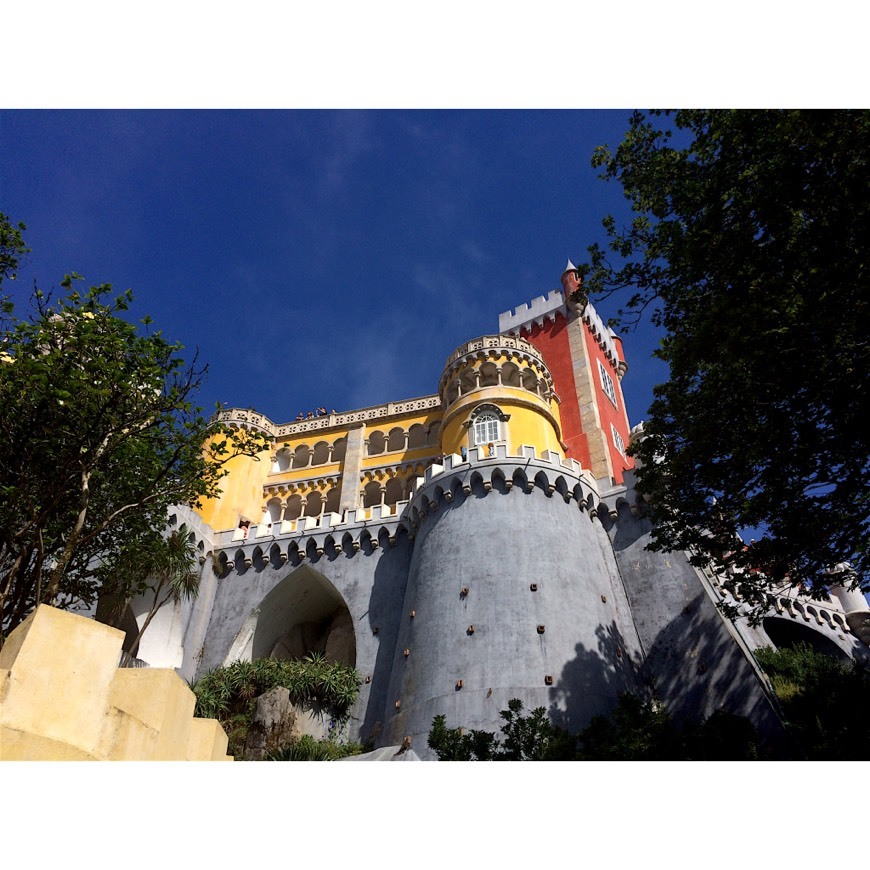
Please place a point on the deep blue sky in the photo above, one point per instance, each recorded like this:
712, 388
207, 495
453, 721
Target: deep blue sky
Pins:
315, 257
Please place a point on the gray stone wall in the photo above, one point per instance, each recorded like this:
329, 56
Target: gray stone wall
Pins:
691, 657
497, 544
370, 582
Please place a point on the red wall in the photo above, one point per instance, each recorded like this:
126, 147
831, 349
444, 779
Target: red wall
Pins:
551, 340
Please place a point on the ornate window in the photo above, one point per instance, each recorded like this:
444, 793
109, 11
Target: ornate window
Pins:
618, 443
486, 424
607, 384
486, 429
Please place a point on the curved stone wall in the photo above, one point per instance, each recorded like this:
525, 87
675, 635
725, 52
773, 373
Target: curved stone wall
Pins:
513, 590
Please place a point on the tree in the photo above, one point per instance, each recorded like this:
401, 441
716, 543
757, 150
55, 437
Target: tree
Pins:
12, 247
162, 567
636, 730
749, 248
99, 437
821, 699
526, 738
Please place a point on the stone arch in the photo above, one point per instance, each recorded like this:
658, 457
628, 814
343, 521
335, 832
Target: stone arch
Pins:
273, 511
395, 490
529, 380
222, 567
451, 392
521, 480
372, 493
301, 456
321, 453
347, 544
294, 507
276, 557
332, 502
396, 439
434, 435
468, 380
304, 613
313, 503
377, 443
488, 374
543, 482
283, 460
510, 375
416, 436
477, 484
499, 482
786, 633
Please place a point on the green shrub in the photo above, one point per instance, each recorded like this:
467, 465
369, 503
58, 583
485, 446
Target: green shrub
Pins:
306, 748
824, 702
229, 694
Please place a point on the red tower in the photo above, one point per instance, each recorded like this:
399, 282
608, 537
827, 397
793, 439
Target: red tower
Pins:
586, 360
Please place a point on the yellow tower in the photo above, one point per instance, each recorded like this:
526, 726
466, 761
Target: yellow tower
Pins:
494, 390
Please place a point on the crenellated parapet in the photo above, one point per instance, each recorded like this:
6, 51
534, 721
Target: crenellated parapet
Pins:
494, 361
366, 528
536, 312
553, 475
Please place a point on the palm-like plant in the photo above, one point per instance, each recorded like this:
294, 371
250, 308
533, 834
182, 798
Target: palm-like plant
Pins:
164, 567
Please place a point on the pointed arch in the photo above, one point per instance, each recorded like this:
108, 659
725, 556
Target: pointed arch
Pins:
304, 613
542, 481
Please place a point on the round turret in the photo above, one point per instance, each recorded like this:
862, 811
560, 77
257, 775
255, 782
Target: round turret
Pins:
513, 592
496, 390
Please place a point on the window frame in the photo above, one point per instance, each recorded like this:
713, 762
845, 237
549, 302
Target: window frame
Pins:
607, 384
488, 419
618, 443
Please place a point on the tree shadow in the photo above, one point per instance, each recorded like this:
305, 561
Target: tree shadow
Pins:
592, 681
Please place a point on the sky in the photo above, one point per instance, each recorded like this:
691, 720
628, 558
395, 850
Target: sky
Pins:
316, 258
337, 257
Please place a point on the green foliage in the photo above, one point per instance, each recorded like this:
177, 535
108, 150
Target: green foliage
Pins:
453, 744
229, 693
636, 730
99, 437
526, 738
306, 748
825, 702
12, 247
162, 567
749, 246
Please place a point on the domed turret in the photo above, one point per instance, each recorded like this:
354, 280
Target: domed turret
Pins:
494, 390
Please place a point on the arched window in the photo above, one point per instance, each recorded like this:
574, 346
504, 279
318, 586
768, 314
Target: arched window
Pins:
487, 424
486, 428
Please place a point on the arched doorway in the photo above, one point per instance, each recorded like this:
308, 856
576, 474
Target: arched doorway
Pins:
786, 634
304, 613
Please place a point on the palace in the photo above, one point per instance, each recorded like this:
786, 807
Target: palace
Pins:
475, 545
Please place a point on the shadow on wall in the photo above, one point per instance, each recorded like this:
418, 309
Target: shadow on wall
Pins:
591, 682
691, 656
384, 612
697, 668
